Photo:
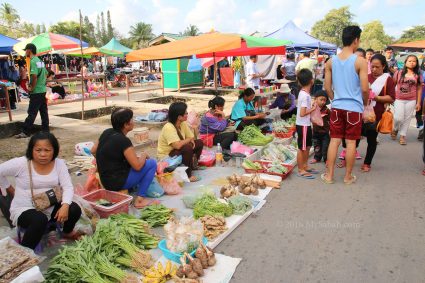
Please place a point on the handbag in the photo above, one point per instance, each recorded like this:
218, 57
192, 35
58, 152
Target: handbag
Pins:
385, 126
46, 199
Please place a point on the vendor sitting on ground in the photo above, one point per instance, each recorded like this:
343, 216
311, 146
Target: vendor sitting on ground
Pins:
119, 167
243, 112
177, 138
38, 172
55, 86
285, 101
214, 124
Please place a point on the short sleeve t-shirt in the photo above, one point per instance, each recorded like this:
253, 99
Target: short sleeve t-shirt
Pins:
407, 87
169, 135
306, 63
251, 69
389, 89
289, 68
304, 100
239, 110
111, 163
38, 68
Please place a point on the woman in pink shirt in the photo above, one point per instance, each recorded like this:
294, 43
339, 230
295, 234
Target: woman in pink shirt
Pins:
408, 96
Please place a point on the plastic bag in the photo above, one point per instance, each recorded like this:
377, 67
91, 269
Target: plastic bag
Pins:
83, 148
172, 162
193, 119
155, 190
369, 115
316, 117
169, 184
32, 275
207, 158
237, 147
89, 216
92, 183
183, 235
180, 174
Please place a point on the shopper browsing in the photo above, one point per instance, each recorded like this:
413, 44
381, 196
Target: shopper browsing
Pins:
321, 136
303, 123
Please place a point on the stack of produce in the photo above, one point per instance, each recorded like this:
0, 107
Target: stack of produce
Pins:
213, 226
208, 204
278, 152
160, 273
205, 258
249, 165
156, 215
252, 135
183, 235
102, 257
227, 191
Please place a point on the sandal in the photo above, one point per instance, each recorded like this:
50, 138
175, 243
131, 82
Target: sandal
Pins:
365, 168
194, 179
314, 161
351, 181
326, 181
394, 135
306, 175
312, 171
150, 202
74, 235
403, 142
341, 164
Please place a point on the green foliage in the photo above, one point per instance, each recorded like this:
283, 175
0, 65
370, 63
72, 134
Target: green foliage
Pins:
374, 36
70, 28
330, 28
191, 30
140, 34
415, 33
9, 15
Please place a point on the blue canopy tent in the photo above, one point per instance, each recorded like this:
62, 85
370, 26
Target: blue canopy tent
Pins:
301, 40
6, 44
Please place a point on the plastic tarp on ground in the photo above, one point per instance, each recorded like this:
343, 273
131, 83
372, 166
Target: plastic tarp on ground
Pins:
203, 44
6, 44
300, 39
115, 45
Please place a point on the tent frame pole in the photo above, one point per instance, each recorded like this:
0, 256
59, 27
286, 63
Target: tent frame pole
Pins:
215, 72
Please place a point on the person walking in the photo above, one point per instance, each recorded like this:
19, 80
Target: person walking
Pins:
253, 76
408, 96
346, 84
382, 92
37, 93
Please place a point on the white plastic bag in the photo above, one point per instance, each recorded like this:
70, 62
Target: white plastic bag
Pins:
83, 148
180, 174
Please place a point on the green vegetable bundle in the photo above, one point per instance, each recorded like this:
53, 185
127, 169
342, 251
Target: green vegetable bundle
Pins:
240, 204
208, 204
252, 135
156, 215
100, 258
248, 164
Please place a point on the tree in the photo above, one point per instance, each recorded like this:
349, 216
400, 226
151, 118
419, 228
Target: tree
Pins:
140, 34
88, 32
191, 30
37, 28
330, 28
374, 36
25, 30
43, 28
98, 32
9, 15
103, 29
412, 34
109, 28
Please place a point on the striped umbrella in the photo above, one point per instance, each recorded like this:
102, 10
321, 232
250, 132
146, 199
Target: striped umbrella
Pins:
46, 42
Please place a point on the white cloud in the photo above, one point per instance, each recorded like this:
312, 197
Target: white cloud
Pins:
368, 5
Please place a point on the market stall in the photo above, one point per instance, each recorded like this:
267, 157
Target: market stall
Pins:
6, 47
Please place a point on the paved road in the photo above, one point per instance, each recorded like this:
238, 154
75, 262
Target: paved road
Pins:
373, 231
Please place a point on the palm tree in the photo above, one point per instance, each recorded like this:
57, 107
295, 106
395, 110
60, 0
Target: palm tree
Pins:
140, 34
8, 14
191, 30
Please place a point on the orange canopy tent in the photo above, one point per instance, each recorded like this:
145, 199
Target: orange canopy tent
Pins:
209, 43
419, 44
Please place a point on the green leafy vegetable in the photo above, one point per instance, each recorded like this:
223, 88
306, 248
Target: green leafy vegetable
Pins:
208, 204
252, 135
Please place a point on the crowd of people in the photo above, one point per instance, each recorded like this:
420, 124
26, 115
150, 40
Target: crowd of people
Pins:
357, 83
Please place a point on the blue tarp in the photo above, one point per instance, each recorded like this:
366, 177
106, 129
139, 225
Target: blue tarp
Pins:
6, 44
300, 39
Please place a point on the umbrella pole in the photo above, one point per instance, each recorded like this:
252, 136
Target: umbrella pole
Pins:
81, 65
66, 69
215, 72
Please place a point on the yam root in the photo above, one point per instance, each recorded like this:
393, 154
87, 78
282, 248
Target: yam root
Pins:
196, 265
211, 256
185, 280
202, 255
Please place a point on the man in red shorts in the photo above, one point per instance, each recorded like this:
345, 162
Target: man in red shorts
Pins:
347, 86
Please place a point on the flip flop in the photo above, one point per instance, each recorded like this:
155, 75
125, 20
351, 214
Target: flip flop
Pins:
197, 179
312, 171
306, 175
314, 161
394, 135
150, 202
403, 142
352, 181
365, 168
326, 181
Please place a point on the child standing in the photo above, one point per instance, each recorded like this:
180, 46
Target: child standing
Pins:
303, 123
321, 137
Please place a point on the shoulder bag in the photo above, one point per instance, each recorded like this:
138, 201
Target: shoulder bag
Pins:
47, 199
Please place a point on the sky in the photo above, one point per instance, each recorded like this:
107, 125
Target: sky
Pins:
241, 16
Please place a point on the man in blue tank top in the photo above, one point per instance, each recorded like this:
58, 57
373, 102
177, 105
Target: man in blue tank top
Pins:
346, 84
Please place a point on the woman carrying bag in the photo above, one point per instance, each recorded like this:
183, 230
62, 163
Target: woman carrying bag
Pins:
382, 92
43, 192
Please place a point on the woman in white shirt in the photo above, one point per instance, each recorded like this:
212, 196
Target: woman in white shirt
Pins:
48, 171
